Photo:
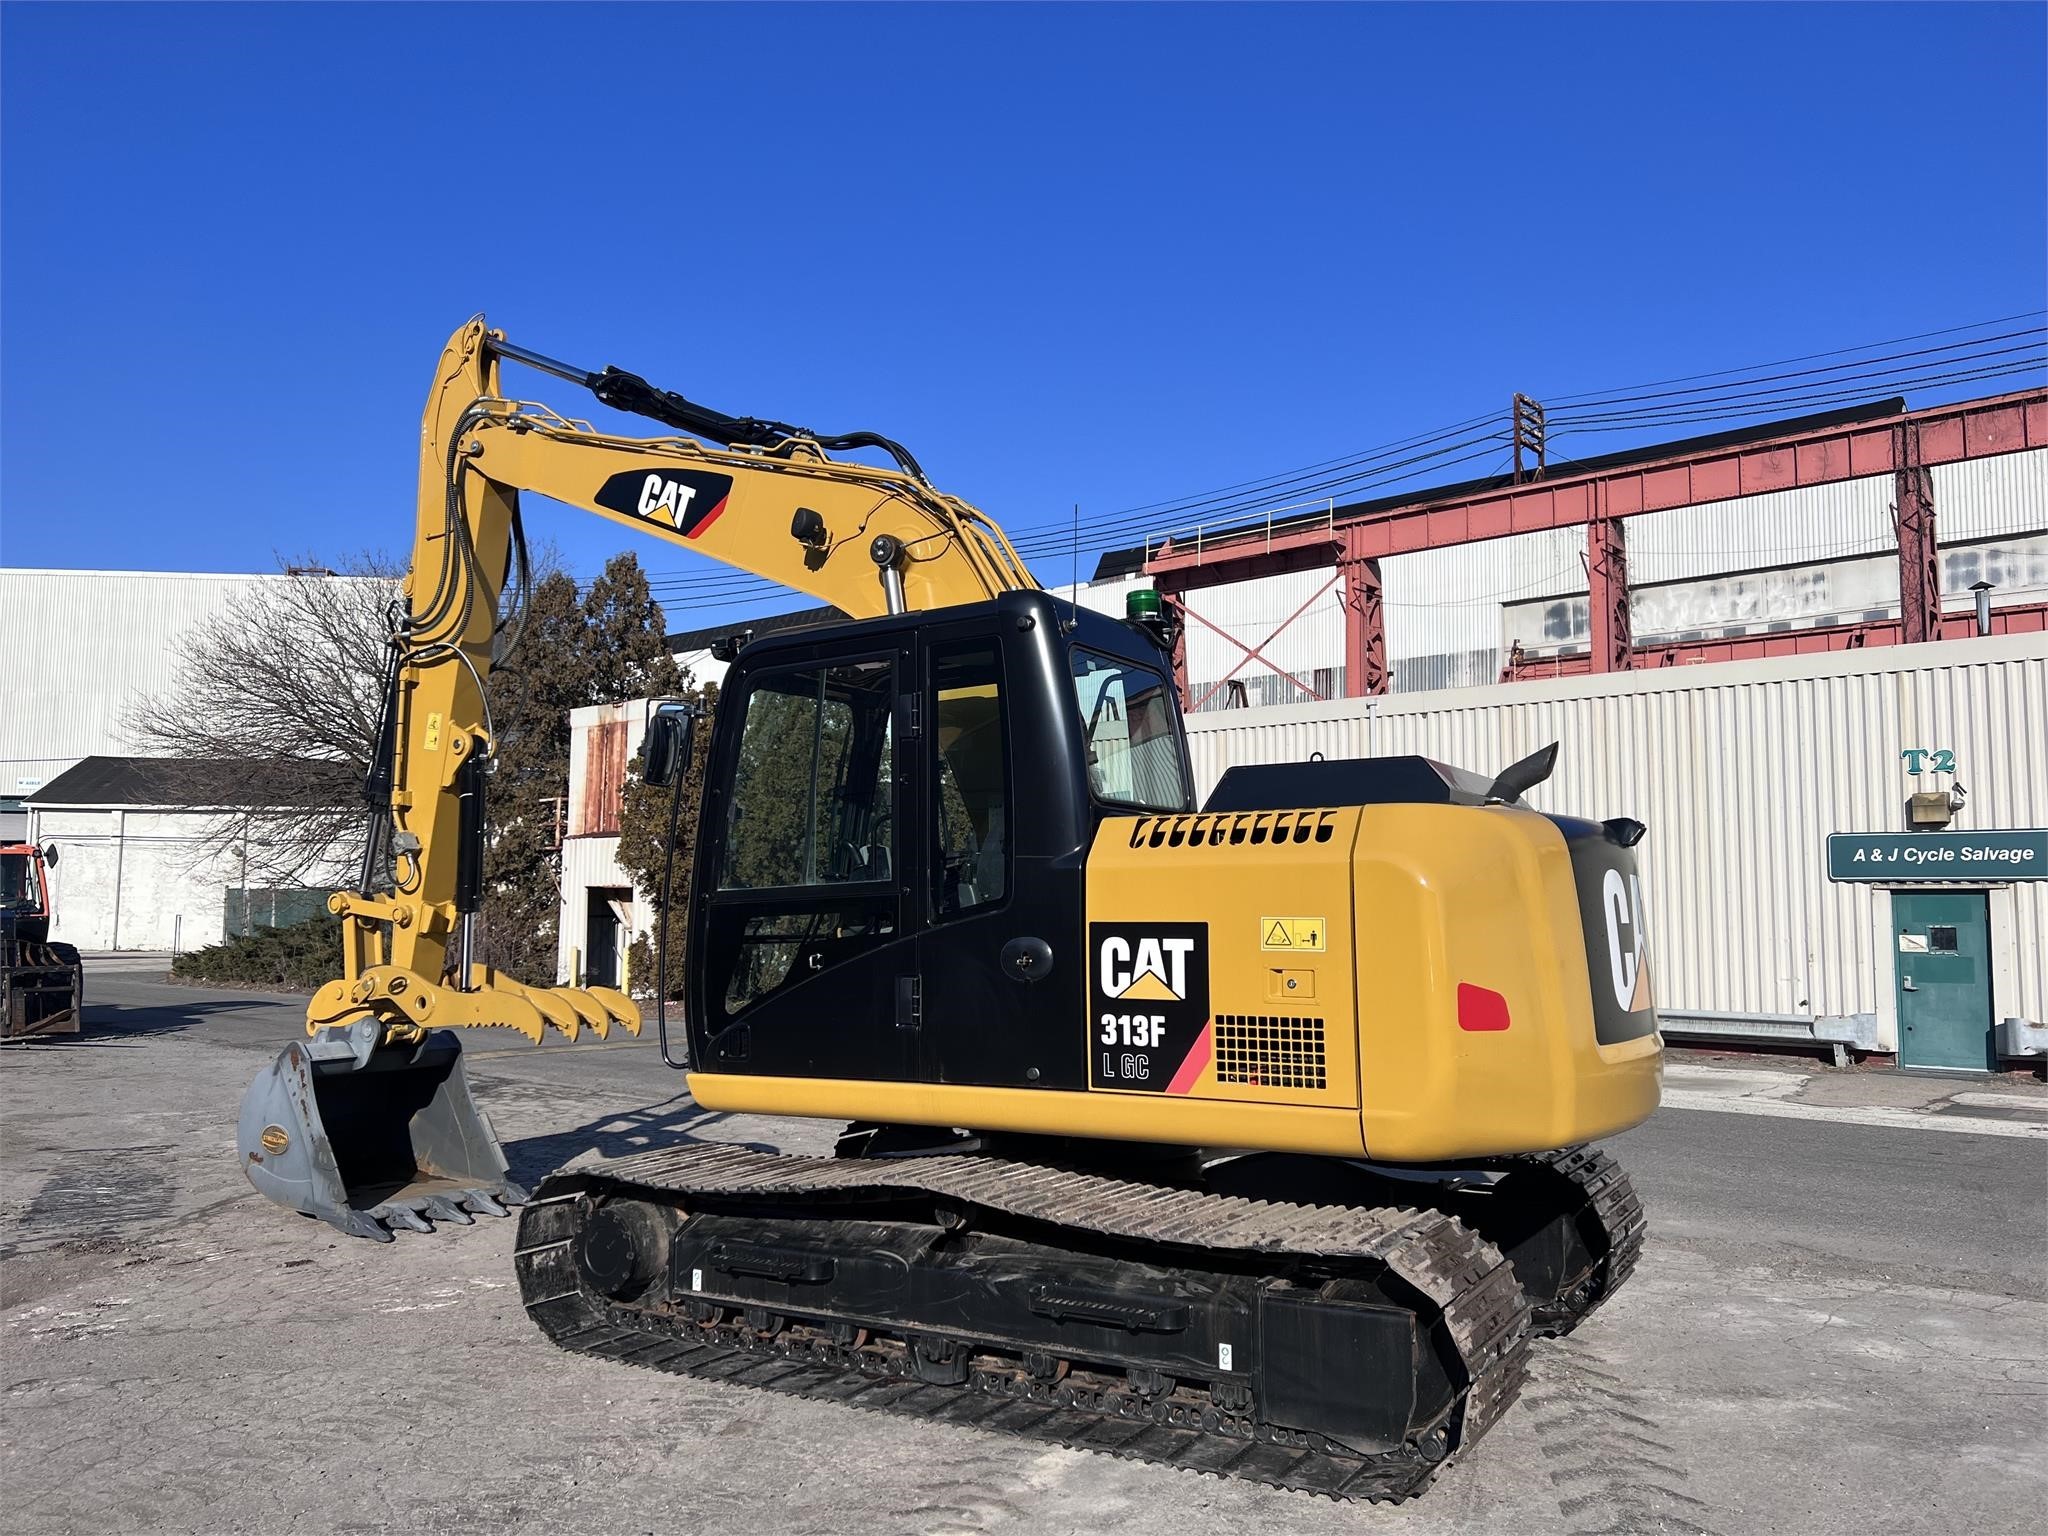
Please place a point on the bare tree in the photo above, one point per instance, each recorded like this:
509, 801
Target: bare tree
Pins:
273, 716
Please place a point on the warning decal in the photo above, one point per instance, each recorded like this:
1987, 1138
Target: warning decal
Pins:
1310, 934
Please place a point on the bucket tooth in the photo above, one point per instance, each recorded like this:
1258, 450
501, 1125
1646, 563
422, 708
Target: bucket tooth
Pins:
365, 1135
356, 1224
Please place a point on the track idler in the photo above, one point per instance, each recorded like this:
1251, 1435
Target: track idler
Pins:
1571, 1224
372, 1138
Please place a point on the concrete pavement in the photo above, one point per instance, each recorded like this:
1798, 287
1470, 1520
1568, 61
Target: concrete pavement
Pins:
1838, 1325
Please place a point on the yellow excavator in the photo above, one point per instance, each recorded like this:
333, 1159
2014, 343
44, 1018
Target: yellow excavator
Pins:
1249, 1136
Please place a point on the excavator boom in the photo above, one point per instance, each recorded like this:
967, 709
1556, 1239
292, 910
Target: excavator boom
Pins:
370, 1122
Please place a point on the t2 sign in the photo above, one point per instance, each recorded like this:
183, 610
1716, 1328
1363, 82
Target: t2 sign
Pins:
1929, 760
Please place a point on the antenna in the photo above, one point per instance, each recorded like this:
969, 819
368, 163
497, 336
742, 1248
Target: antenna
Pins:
1074, 586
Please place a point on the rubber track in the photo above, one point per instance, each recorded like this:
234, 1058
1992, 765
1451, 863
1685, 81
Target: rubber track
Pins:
1619, 1210
1484, 1312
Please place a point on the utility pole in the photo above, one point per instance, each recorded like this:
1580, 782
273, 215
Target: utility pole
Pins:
1526, 417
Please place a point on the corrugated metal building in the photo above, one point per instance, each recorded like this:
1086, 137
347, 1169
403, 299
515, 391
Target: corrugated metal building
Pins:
83, 648
1742, 770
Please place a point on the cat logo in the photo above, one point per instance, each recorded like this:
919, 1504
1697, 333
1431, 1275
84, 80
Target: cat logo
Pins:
1628, 967
1149, 1006
1149, 970
662, 495
685, 500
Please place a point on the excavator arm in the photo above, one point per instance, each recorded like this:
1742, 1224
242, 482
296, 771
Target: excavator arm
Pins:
761, 496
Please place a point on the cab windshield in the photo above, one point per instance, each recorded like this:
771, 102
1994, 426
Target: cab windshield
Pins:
18, 890
1127, 718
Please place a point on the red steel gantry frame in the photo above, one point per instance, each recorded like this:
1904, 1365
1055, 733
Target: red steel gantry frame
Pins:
1351, 546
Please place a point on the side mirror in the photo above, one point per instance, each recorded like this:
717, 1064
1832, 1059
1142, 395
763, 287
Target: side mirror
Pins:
50, 854
666, 752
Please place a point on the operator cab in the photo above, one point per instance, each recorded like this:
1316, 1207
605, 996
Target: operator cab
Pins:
891, 853
20, 889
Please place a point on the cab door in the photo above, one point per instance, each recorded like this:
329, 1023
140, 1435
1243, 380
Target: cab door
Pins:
997, 983
801, 919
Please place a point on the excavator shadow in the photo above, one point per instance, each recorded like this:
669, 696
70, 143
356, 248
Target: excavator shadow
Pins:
113, 1025
671, 1122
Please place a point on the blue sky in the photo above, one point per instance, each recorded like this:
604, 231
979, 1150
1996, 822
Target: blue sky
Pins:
1093, 254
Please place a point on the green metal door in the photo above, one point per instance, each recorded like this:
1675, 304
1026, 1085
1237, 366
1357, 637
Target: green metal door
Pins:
1941, 957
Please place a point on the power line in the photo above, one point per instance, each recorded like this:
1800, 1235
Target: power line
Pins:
1364, 456
1778, 405
1896, 341
1876, 379
1968, 361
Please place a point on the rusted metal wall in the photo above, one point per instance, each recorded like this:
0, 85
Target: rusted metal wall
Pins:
594, 811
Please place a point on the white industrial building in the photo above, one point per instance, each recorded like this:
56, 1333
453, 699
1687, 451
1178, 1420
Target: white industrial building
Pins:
1743, 769
1815, 558
84, 650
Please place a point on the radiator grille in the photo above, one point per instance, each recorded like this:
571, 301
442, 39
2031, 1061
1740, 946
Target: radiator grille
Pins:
1269, 1052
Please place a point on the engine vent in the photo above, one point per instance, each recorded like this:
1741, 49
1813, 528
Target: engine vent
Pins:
1269, 1052
1230, 828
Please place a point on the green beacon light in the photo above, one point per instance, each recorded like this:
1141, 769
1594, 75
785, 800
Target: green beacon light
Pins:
1141, 606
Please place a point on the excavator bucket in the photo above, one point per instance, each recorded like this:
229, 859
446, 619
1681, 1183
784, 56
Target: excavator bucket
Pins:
371, 1139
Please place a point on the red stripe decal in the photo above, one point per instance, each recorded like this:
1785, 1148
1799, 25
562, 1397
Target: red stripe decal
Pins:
1191, 1068
709, 518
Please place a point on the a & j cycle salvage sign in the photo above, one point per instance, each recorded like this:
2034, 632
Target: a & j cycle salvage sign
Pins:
1922, 856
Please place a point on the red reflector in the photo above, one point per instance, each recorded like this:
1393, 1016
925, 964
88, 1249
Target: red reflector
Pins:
1480, 1008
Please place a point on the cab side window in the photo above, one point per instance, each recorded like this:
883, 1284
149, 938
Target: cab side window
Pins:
971, 779
1127, 721
811, 791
